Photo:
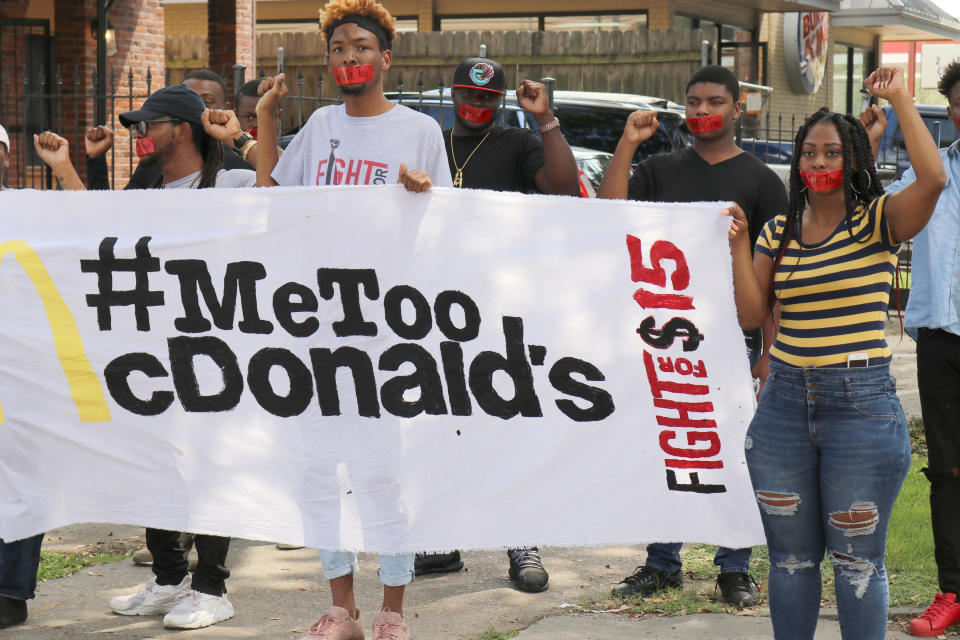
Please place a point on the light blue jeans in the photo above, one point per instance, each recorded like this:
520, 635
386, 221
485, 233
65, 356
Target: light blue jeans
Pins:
395, 570
827, 451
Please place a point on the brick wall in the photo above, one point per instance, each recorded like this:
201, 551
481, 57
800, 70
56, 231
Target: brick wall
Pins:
140, 46
75, 56
230, 37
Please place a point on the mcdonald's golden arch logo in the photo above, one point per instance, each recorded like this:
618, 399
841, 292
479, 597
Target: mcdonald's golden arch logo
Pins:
85, 388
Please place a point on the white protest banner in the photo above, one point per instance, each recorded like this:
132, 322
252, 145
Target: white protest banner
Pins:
370, 369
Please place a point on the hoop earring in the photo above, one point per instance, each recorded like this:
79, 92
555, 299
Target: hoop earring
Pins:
853, 183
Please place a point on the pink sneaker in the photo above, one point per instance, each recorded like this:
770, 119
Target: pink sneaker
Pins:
390, 626
336, 624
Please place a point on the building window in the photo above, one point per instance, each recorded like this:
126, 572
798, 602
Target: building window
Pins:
513, 23
548, 22
403, 24
589, 22
850, 66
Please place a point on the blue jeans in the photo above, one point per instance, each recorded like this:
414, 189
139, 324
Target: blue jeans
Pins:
827, 451
19, 562
666, 555
395, 570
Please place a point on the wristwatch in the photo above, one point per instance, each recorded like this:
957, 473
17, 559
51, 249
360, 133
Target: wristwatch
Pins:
553, 124
240, 142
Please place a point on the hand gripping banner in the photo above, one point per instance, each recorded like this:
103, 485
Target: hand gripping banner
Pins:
364, 368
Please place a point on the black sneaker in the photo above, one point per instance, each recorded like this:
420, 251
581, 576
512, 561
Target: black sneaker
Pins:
12, 612
647, 581
738, 589
526, 570
437, 562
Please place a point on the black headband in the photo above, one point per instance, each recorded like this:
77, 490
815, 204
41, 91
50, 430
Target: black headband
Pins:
372, 26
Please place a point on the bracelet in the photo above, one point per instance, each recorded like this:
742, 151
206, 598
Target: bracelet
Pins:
553, 124
246, 149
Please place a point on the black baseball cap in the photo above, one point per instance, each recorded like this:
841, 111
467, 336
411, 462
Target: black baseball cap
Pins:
480, 73
176, 101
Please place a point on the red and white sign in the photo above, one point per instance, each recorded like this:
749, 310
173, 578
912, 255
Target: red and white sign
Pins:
805, 49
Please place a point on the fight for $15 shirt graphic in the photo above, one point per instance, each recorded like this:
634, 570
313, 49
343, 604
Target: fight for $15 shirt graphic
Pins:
354, 171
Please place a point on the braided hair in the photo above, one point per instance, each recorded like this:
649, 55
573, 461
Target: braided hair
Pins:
859, 187
212, 153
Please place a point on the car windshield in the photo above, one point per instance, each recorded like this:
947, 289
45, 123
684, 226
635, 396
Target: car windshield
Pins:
594, 167
600, 128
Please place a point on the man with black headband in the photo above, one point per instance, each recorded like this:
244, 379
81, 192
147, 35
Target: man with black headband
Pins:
483, 155
99, 140
367, 140
715, 168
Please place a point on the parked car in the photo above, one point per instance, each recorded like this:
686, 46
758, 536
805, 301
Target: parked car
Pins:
596, 120
591, 164
591, 122
587, 119
769, 151
892, 154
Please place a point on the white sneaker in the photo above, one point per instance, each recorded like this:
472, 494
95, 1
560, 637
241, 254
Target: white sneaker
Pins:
196, 610
150, 599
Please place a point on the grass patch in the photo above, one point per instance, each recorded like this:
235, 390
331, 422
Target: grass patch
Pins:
910, 565
497, 635
911, 569
58, 565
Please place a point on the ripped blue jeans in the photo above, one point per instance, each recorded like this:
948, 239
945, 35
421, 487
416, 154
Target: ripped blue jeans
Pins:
827, 451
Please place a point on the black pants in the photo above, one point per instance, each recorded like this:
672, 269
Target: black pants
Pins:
170, 560
938, 376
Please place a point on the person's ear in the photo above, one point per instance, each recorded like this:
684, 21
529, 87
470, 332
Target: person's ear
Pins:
386, 59
184, 132
737, 110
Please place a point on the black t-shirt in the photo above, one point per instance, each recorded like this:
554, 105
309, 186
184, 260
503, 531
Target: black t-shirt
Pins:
508, 160
684, 176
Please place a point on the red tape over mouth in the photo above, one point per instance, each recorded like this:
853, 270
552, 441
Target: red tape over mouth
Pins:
699, 124
145, 147
822, 180
356, 74
473, 114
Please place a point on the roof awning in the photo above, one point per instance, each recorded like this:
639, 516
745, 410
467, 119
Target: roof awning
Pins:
897, 19
790, 6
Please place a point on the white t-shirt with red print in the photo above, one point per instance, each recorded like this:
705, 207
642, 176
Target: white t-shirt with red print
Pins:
363, 150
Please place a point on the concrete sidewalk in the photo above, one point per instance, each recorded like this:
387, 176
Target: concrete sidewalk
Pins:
278, 594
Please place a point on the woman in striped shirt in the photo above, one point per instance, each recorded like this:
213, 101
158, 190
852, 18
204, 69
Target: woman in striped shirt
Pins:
828, 447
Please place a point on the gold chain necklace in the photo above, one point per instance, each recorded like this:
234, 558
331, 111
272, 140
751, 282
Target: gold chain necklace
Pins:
458, 179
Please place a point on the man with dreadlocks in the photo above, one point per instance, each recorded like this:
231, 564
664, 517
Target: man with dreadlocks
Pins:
828, 447
715, 168
367, 140
169, 134
933, 320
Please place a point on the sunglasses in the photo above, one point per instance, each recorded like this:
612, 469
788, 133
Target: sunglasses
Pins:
142, 126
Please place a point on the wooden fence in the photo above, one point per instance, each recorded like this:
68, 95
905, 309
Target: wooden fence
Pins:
655, 63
